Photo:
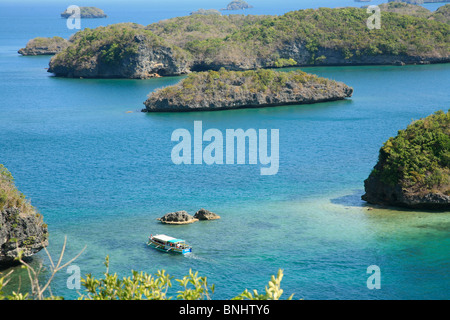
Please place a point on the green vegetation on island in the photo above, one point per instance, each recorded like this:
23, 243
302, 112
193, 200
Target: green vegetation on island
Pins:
237, 42
413, 169
122, 50
21, 227
405, 8
442, 14
10, 197
237, 5
44, 46
206, 12
419, 1
218, 90
86, 13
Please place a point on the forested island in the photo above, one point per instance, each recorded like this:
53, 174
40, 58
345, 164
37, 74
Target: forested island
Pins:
413, 168
238, 42
419, 1
21, 226
86, 13
237, 5
221, 90
206, 12
44, 46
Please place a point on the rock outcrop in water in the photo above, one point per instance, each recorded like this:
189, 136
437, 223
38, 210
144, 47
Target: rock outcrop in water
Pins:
204, 214
178, 217
243, 89
237, 5
44, 46
21, 227
413, 169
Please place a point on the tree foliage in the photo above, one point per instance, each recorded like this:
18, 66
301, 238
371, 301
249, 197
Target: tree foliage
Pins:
419, 156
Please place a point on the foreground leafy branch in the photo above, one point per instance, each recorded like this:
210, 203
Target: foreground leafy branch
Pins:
139, 286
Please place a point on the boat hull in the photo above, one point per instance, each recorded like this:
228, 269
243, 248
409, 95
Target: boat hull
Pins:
168, 248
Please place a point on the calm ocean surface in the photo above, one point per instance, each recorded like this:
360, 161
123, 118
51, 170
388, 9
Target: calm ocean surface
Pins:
101, 175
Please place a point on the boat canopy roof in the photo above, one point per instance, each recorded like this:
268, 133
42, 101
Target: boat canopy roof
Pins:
176, 240
163, 237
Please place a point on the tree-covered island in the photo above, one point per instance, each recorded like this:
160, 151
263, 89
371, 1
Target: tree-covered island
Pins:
413, 168
238, 42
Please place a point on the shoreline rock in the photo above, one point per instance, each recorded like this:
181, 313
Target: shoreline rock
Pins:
21, 227
204, 214
178, 217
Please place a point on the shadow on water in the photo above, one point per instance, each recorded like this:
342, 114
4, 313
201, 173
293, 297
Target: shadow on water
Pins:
351, 200
354, 200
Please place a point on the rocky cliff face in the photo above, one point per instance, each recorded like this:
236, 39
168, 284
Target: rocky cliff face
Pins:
211, 42
20, 231
297, 51
413, 168
21, 227
378, 192
137, 58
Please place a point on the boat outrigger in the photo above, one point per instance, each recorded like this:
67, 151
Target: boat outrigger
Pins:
165, 243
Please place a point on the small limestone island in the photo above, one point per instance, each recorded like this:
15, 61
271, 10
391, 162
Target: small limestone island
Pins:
220, 90
182, 217
21, 226
246, 42
413, 169
44, 46
206, 12
86, 13
237, 5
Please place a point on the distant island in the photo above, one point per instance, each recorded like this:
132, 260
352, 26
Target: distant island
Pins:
442, 14
21, 226
240, 42
206, 12
86, 13
405, 8
44, 46
419, 1
237, 5
413, 169
222, 90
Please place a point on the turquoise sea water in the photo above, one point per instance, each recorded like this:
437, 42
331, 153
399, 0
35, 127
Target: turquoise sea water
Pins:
101, 175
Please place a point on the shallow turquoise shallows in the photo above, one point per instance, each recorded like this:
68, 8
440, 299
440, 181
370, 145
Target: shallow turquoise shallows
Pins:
101, 174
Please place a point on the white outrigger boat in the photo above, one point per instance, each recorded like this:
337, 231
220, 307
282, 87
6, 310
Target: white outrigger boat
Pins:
165, 243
